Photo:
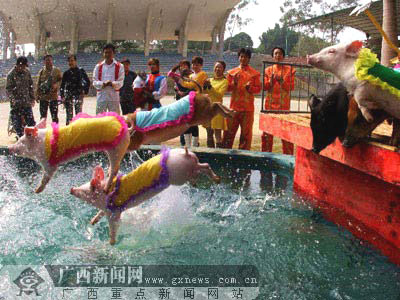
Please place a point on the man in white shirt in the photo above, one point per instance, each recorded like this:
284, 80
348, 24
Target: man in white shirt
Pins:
108, 78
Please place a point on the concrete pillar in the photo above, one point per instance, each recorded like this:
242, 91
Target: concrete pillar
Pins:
147, 30
214, 40
73, 49
221, 34
183, 33
6, 42
40, 34
110, 20
389, 25
13, 45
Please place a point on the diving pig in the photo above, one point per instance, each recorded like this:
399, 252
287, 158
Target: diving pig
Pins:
372, 84
170, 167
50, 147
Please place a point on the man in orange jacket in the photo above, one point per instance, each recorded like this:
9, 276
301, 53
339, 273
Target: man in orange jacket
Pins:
278, 82
243, 82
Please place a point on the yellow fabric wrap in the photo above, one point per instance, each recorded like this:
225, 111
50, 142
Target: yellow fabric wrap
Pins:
365, 61
84, 132
137, 180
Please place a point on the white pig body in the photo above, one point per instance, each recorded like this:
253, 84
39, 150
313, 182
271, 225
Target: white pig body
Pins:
53, 146
171, 167
340, 60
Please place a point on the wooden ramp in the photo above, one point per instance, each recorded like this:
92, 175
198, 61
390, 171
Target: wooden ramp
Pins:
358, 188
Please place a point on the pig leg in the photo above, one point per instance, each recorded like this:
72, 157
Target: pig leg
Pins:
97, 217
206, 169
219, 108
395, 140
113, 221
45, 180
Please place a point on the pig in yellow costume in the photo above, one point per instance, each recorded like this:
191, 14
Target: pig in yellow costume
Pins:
152, 175
84, 134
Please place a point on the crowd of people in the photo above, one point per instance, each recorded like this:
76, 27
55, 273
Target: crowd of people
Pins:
114, 82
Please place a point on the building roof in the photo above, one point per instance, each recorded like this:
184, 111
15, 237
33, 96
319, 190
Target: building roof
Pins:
129, 21
360, 22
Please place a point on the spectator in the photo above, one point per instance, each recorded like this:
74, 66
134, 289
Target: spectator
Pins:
126, 92
278, 82
180, 90
48, 84
198, 78
156, 84
216, 87
108, 78
243, 82
19, 89
74, 85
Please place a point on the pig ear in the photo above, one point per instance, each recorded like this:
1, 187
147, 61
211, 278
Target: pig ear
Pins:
98, 176
30, 131
353, 48
313, 102
41, 124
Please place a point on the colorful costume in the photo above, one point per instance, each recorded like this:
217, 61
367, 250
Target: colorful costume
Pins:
157, 85
278, 82
85, 133
177, 113
216, 93
242, 101
152, 175
368, 68
200, 78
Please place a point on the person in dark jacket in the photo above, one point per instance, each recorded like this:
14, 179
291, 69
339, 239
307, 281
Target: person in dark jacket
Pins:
19, 89
74, 85
126, 92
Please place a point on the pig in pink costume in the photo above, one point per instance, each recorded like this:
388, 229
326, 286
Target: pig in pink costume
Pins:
84, 134
177, 113
152, 175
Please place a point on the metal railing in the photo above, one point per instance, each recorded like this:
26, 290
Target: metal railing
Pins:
307, 81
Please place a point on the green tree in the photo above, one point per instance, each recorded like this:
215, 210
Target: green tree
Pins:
235, 20
240, 40
307, 45
278, 37
299, 10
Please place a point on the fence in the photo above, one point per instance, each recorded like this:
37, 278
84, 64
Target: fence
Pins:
307, 81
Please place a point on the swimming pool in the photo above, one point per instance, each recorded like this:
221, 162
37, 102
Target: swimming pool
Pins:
251, 218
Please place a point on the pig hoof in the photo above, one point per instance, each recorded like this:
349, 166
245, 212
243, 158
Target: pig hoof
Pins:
94, 221
39, 190
217, 179
112, 241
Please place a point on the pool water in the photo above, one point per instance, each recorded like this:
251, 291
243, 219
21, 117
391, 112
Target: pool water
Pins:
251, 218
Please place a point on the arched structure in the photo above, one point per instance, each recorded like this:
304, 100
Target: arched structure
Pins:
38, 21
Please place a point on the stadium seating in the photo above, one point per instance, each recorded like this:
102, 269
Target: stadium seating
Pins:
138, 62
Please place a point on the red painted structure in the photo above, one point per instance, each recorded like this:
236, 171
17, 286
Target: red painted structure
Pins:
358, 188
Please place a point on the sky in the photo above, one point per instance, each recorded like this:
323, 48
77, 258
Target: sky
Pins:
264, 16
267, 13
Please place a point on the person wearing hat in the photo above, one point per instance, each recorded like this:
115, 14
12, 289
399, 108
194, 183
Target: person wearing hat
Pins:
278, 82
126, 92
19, 89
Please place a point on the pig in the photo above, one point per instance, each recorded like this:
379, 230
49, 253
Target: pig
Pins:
171, 167
337, 115
201, 112
340, 60
52, 146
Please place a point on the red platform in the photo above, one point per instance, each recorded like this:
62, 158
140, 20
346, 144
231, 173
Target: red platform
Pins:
358, 188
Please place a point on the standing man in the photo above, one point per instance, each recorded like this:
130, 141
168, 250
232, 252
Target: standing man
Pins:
156, 84
74, 85
108, 78
19, 89
243, 82
126, 92
48, 84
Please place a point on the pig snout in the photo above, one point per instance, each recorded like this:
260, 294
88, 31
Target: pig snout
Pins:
312, 60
